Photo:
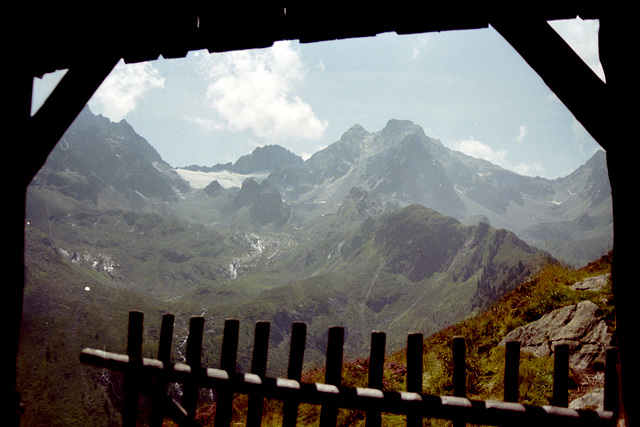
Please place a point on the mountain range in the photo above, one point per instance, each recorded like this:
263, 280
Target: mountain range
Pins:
273, 189
386, 230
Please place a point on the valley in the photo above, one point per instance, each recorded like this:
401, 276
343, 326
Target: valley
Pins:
386, 230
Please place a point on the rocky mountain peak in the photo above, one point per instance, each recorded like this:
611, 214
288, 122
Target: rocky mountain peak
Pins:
263, 201
396, 128
355, 132
267, 158
398, 165
109, 157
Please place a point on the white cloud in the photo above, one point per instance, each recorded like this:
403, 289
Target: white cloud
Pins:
477, 149
522, 133
528, 169
579, 131
584, 144
118, 95
418, 46
204, 124
582, 36
255, 90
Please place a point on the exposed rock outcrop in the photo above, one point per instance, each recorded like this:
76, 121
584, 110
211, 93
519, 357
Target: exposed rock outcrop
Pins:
591, 283
578, 325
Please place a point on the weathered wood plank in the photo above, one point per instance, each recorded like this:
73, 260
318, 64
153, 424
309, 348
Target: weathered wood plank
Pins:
560, 375
228, 361
333, 374
259, 368
376, 374
414, 373
442, 407
294, 370
132, 380
193, 358
164, 355
512, 372
151, 376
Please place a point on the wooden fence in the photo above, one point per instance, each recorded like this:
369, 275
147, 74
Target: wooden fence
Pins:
150, 377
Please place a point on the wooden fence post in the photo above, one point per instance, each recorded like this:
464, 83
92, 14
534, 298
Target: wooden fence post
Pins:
228, 362
131, 381
164, 355
376, 372
561, 375
193, 359
611, 381
459, 372
414, 372
333, 373
294, 370
150, 377
459, 367
258, 367
512, 372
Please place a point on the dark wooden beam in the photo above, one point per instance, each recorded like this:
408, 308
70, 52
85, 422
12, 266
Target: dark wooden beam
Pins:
563, 71
617, 45
62, 107
49, 40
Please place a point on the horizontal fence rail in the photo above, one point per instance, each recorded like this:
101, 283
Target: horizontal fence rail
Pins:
150, 377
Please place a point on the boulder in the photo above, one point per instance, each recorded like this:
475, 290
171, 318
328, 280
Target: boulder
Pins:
578, 325
593, 400
591, 283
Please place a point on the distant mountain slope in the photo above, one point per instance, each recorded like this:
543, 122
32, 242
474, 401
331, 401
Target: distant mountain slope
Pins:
97, 159
372, 267
400, 164
266, 158
108, 163
395, 164
412, 269
338, 239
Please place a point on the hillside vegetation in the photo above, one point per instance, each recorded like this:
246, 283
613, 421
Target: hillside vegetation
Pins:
546, 291
388, 231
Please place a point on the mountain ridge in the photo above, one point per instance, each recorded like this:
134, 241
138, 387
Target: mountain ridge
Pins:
398, 164
345, 246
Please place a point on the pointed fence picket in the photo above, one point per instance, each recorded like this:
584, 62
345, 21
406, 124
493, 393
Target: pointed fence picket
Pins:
150, 377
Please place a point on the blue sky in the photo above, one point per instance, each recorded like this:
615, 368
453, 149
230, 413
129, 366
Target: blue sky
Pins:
469, 89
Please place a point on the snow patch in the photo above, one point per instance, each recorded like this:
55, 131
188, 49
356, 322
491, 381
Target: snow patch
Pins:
227, 179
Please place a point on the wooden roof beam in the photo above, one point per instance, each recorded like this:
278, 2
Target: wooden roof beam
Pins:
564, 72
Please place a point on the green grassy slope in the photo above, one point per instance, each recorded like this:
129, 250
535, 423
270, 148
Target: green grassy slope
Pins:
546, 291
